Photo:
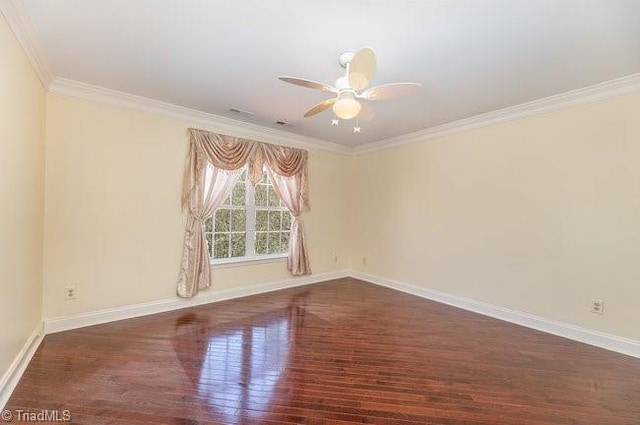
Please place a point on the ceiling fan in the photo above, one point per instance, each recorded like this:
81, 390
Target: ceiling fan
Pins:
350, 89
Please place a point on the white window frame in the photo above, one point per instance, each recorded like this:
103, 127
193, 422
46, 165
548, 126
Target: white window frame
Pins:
250, 225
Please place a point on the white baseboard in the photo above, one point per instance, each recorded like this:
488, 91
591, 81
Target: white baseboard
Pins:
210, 296
12, 376
599, 339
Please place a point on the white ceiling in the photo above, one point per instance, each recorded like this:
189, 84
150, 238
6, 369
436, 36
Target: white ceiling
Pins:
471, 56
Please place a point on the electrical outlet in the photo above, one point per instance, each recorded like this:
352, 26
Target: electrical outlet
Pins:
364, 261
335, 258
597, 306
70, 292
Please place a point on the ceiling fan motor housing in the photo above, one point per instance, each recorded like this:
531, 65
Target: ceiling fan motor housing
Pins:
345, 58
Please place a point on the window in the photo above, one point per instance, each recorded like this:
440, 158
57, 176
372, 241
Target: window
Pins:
251, 223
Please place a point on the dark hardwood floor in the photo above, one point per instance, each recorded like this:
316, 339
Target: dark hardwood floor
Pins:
339, 352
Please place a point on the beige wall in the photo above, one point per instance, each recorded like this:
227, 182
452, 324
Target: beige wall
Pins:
22, 109
113, 225
539, 215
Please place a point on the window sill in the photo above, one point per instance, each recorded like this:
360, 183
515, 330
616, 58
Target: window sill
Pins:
244, 261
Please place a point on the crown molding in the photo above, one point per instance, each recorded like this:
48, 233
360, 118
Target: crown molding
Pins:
600, 91
18, 20
211, 121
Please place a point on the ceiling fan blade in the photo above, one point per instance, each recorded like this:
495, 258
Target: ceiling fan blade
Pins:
362, 68
309, 84
366, 112
390, 91
320, 107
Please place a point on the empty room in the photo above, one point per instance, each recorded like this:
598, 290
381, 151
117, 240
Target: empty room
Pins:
324, 213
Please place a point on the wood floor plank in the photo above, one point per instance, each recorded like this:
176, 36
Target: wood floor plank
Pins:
334, 353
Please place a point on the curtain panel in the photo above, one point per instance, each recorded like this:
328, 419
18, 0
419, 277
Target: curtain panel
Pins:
203, 191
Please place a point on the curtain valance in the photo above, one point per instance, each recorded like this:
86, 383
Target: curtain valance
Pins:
231, 153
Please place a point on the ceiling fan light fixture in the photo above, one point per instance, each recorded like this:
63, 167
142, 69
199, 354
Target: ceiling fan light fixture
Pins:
347, 107
350, 88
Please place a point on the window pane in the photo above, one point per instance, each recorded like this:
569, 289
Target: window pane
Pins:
209, 237
286, 220
238, 220
261, 243
238, 244
261, 220
274, 201
274, 220
261, 195
237, 194
274, 243
227, 233
222, 218
221, 245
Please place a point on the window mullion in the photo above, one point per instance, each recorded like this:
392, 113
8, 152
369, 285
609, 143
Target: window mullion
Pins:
250, 217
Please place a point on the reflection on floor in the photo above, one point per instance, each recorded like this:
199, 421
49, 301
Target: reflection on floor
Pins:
240, 365
245, 372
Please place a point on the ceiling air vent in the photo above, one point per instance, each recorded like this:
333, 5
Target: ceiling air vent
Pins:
241, 112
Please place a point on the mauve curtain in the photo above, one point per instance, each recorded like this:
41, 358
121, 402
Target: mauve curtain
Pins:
287, 170
289, 162
202, 194
289, 191
211, 189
